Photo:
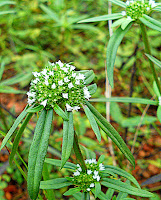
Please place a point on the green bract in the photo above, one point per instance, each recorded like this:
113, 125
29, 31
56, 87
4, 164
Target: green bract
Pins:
58, 84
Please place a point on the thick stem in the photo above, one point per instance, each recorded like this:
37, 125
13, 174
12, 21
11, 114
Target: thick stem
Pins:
147, 50
78, 153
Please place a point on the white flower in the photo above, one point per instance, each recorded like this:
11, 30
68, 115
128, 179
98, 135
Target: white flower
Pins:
160, 101
72, 68
98, 178
79, 169
46, 82
89, 171
44, 102
68, 107
70, 85
147, 8
65, 69
95, 172
52, 64
44, 72
60, 82
91, 185
123, 13
60, 63
31, 94
35, 81
31, 101
152, 3
74, 75
86, 93
94, 161
77, 82
129, 18
65, 95
53, 86
88, 189
77, 173
51, 73
36, 74
101, 167
76, 108
66, 80
127, 3
80, 76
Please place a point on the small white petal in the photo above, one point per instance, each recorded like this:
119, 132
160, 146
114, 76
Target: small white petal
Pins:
77, 82
88, 189
91, 185
76, 108
89, 171
31, 101
74, 75
98, 178
35, 81
60, 82
80, 76
129, 18
66, 80
123, 13
127, 3
94, 161
77, 173
68, 107
44, 72
60, 63
44, 103
95, 172
70, 85
53, 86
72, 68
46, 82
36, 74
65, 95
51, 73
79, 169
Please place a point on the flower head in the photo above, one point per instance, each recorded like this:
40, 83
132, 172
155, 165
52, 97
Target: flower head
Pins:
58, 83
86, 180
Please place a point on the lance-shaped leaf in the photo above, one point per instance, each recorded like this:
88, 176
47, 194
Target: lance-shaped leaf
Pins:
110, 193
157, 9
72, 191
112, 47
92, 88
13, 128
57, 163
119, 3
154, 60
97, 189
89, 77
68, 137
112, 133
102, 196
60, 112
159, 113
38, 152
2, 3
124, 187
35, 109
151, 23
2, 70
18, 137
55, 183
102, 18
123, 173
85, 196
93, 122
126, 100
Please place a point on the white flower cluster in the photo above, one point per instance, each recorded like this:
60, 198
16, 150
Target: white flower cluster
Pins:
86, 180
138, 7
58, 83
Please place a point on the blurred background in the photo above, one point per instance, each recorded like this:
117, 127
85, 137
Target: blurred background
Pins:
33, 32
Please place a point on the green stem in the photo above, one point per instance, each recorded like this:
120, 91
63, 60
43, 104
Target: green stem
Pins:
78, 153
147, 50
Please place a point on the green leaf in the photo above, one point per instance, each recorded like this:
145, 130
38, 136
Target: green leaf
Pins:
116, 113
77, 196
97, 189
102, 196
18, 137
57, 163
118, 22
60, 112
89, 77
7, 12
112, 133
154, 60
92, 88
110, 193
68, 137
38, 152
123, 173
2, 70
72, 191
126, 100
2, 3
101, 159
124, 187
10, 90
119, 3
112, 47
35, 109
55, 183
159, 113
50, 13
126, 23
85, 196
102, 18
13, 128
157, 9
92, 122
151, 23
155, 88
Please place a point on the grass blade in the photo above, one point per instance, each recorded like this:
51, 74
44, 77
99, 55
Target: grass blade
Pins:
68, 137
18, 137
112, 47
13, 128
154, 60
92, 122
112, 133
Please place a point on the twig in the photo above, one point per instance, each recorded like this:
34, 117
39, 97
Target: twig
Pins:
108, 90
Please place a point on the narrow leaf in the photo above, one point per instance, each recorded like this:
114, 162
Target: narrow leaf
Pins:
50, 13
159, 113
126, 23
72, 191
68, 137
110, 193
112, 47
112, 133
2, 70
97, 189
8, 90
92, 122
102, 18
7, 12
55, 183
35, 109
151, 23
154, 60
18, 137
119, 3
102, 196
118, 22
60, 112
157, 9
92, 88
124, 187
13, 128
7, 3
89, 79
